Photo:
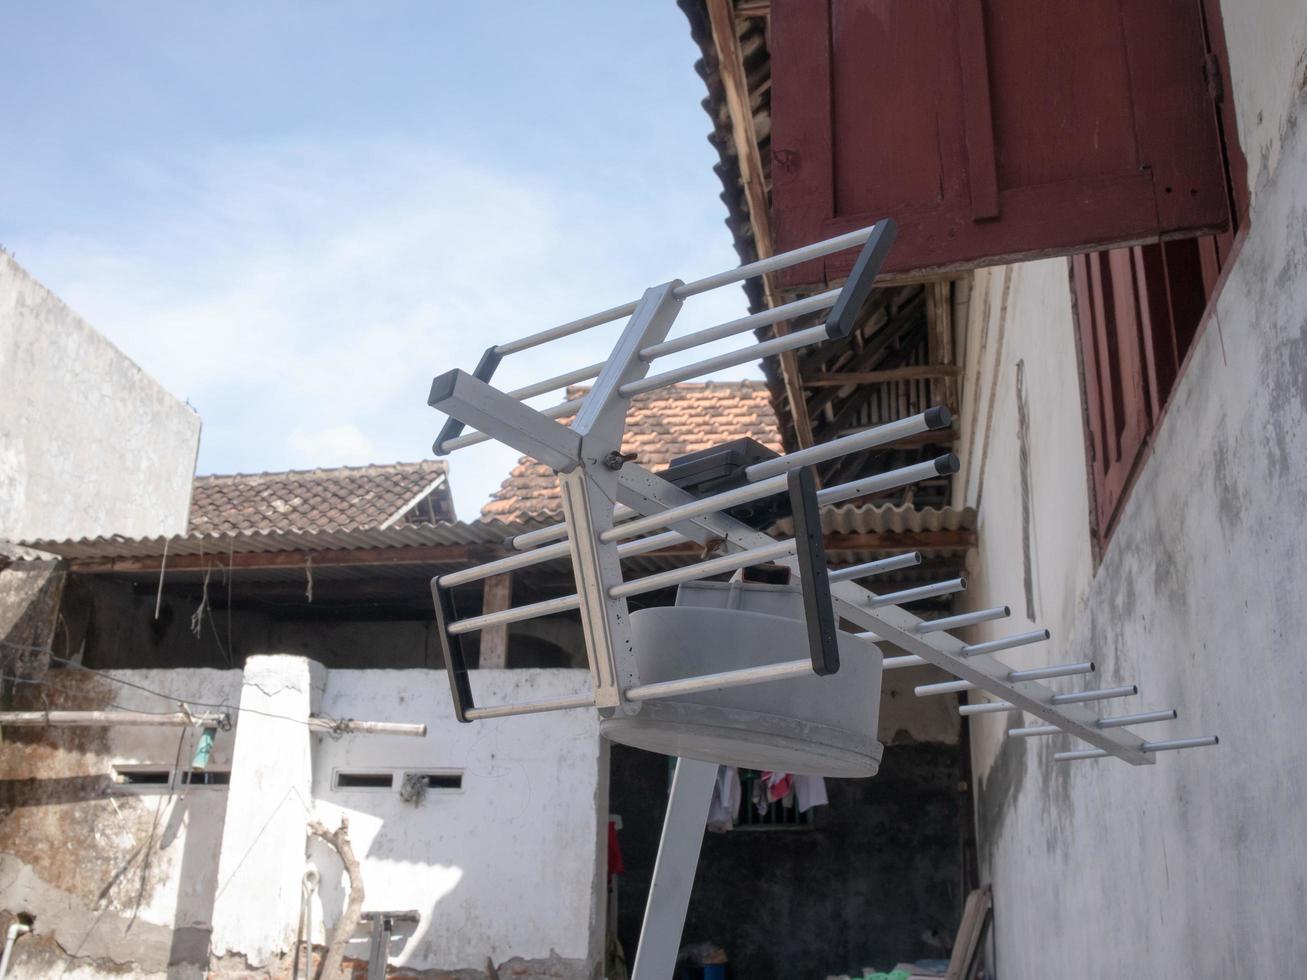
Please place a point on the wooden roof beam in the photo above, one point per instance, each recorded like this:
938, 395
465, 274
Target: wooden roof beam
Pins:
735, 86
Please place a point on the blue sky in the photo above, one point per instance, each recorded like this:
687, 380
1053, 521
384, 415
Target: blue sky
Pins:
294, 215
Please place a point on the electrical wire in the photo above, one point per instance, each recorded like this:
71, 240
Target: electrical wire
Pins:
173, 698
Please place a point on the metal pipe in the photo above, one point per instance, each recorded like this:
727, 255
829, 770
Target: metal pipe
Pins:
515, 615
1170, 744
1080, 754
684, 290
945, 687
566, 329
1166, 745
563, 549
920, 592
531, 707
473, 438
763, 487
558, 381
719, 681
1006, 643
783, 261
965, 619
348, 726
986, 708
1044, 673
87, 719
530, 539
696, 508
754, 352
766, 318
933, 418
939, 466
875, 567
16, 928
1033, 730
1140, 718
726, 563
896, 663
1098, 694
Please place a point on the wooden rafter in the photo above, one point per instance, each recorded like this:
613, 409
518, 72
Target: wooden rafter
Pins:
913, 372
735, 85
939, 334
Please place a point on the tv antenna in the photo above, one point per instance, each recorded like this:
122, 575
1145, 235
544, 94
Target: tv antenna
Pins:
717, 678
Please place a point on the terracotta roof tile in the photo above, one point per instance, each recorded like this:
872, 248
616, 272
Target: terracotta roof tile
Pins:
317, 500
661, 425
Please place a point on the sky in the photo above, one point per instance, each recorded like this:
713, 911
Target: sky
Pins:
295, 215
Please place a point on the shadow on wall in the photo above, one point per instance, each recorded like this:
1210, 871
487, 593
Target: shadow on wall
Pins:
333, 893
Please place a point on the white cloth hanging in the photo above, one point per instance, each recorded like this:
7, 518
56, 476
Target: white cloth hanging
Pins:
725, 799
810, 791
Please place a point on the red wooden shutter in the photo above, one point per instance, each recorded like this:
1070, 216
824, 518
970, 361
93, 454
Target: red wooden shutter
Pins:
991, 129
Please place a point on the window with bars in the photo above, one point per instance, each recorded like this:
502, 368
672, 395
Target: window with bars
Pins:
1137, 312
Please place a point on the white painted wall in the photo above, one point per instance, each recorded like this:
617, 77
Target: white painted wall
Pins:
508, 866
1194, 867
89, 443
261, 857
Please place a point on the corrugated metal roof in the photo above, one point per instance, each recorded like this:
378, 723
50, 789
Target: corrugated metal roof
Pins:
264, 542
891, 518
845, 519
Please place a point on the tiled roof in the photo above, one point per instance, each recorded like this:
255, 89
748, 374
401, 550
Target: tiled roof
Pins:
317, 500
661, 425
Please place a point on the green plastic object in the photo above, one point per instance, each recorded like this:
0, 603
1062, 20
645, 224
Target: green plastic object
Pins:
204, 748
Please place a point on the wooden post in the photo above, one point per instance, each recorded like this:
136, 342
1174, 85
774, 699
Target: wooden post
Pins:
497, 596
939, 338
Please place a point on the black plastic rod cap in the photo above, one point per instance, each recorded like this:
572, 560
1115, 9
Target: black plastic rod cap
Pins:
947, 464
938, 417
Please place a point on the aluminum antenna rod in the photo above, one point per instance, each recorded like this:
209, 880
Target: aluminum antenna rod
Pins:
595, 481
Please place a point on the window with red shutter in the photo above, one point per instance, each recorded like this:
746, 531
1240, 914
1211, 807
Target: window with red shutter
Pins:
992, 129
1137, 312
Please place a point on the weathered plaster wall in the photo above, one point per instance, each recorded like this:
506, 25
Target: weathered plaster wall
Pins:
89, 443
114, 875
510, 865
1194, 867
144, 882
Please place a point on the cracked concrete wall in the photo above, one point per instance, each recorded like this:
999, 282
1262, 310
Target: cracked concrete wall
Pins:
146, 882
1194, 867
119, 878
89, 443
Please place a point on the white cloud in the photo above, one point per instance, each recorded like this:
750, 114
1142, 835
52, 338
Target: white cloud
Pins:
309, 448
303, 297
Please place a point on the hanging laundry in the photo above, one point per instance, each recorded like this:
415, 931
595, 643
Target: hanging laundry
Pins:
810, 791
615, 865
778, 784
725, 803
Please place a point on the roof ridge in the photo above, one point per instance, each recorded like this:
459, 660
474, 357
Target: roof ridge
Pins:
438, 464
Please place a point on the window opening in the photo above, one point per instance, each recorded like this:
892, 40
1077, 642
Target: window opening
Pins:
364, 780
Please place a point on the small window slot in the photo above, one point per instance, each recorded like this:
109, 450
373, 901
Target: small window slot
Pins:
143, 777
208, 777
365, 780
444, 780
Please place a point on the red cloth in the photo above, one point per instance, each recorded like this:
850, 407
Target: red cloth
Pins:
615, 866
778, 784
